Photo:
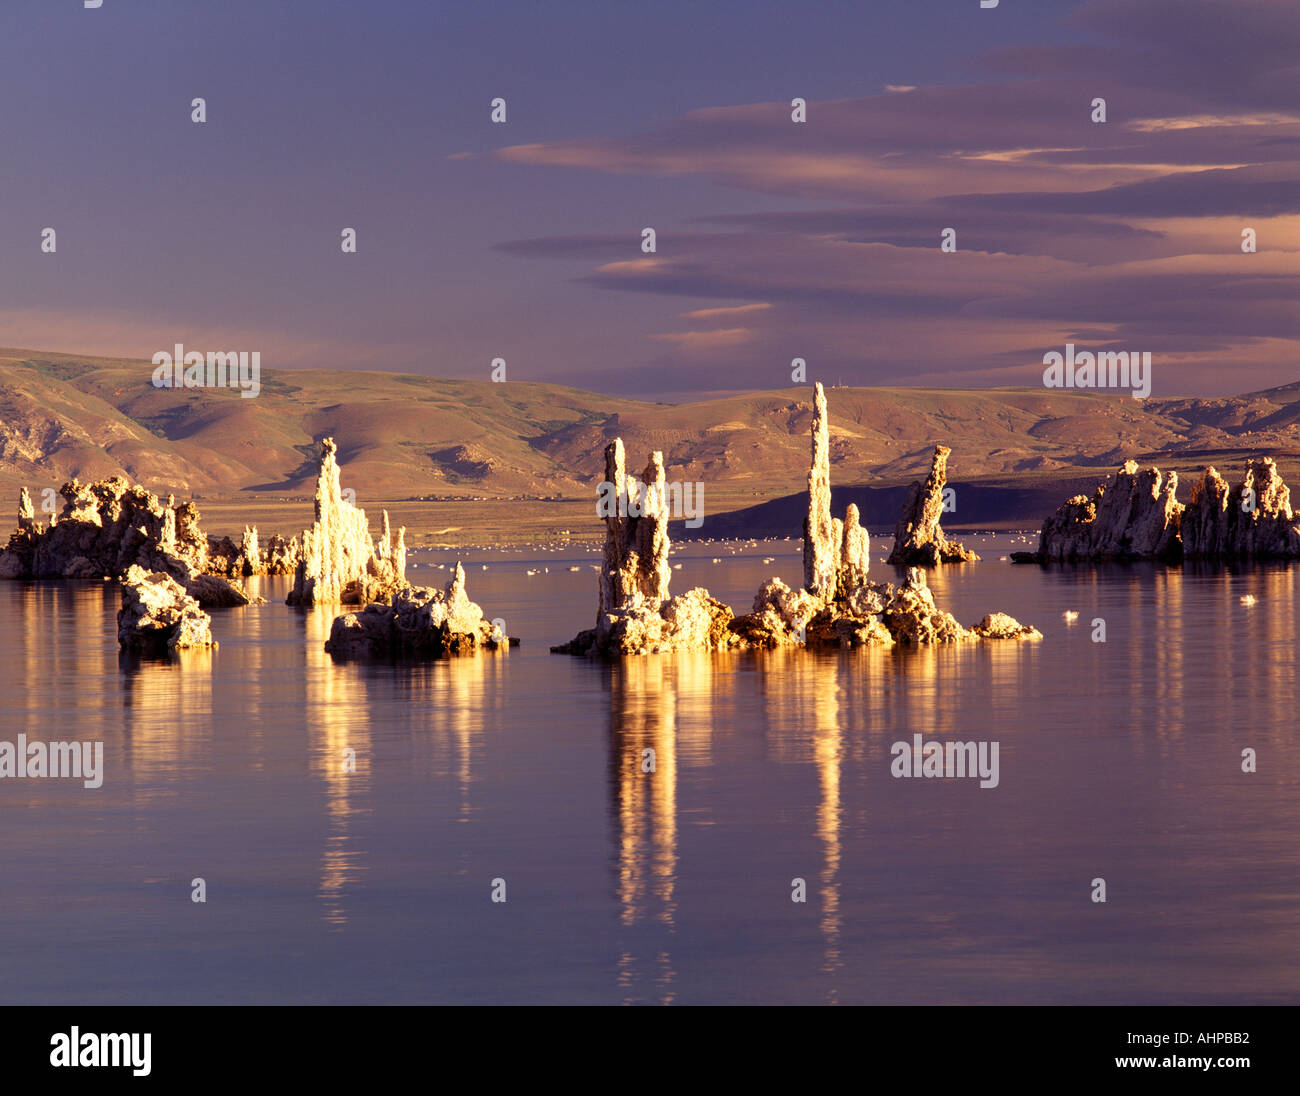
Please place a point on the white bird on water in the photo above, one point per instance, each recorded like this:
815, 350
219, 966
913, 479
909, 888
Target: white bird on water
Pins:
1070, 615
1248, 599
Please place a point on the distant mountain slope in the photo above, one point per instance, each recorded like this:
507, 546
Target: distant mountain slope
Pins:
401, 435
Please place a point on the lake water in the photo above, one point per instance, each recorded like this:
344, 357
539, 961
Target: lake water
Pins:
1119, 760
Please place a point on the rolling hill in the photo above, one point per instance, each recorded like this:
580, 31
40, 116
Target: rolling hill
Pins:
404, 437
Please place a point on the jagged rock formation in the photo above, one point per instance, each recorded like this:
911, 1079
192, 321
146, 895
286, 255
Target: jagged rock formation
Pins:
855, 553
229, 558
634, 609
839, 606
250, 550
1137, 517
823, 536
693, 621
387, 567
251, 557
782, 617
15, 560
26, 513
1134, 517
919, 540
1253, 520
339, 563
779, 616
912, 616
874, 614
104, 529
635, 572
836, 554
279, 556
158, 615
417, 622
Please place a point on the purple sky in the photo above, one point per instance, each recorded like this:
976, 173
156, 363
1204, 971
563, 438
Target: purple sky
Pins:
775, 240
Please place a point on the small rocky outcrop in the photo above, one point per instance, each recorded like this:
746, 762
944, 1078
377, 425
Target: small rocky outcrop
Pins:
1001, 626
919, 540
158, 615
339, 564
838, 607
417, 621
874, 614
693, 621
912, 616
108, 527
1136, 516
782, 617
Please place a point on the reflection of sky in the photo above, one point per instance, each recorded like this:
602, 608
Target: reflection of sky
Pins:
1119, 760
775, 240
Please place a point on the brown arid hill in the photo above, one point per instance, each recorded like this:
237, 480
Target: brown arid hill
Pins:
405, 437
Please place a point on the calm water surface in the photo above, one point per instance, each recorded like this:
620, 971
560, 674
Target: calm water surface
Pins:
1119, 760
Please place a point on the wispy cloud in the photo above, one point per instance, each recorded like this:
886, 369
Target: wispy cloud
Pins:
1123, 230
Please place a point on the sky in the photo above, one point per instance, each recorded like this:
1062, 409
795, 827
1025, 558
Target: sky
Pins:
775, 240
